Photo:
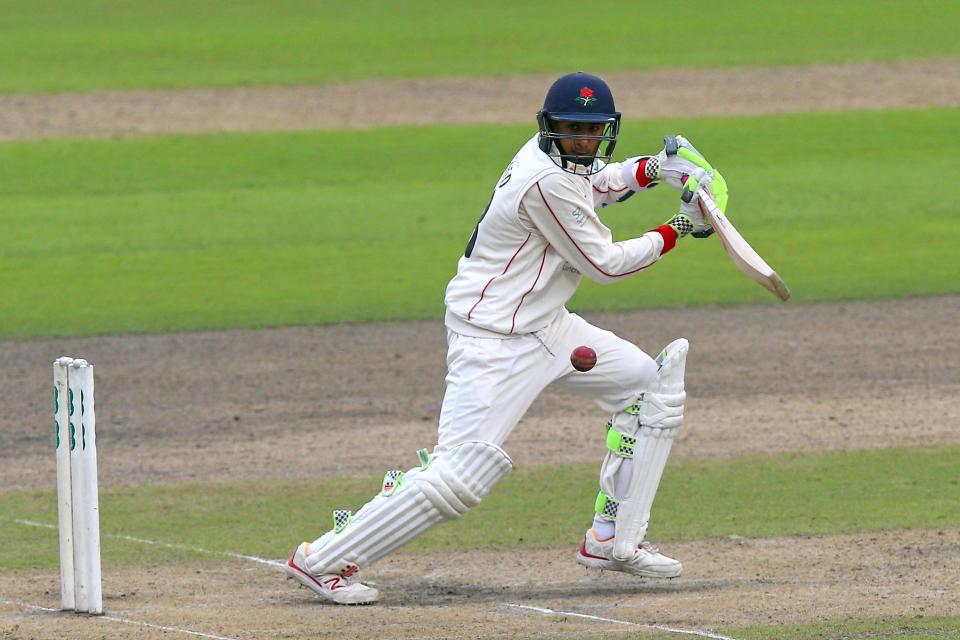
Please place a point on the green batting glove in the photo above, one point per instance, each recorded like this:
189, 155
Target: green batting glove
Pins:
681, 147
718, 186
690, 205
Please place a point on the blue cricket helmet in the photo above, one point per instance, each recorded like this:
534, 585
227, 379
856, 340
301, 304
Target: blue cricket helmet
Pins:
578, 97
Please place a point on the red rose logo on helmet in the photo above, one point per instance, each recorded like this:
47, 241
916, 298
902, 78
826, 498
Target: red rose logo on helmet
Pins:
586, 96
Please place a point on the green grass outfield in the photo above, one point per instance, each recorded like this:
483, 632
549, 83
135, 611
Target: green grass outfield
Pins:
925, 628
917, 628
221, 231
113, 44
543, 506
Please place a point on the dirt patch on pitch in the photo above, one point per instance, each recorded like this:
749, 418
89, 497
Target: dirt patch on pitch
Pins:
664, 93
301, 402
728, 583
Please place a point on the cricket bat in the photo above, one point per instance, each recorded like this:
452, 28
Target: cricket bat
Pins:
739, 250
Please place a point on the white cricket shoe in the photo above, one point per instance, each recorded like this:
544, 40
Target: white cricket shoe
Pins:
339, 589
647, 561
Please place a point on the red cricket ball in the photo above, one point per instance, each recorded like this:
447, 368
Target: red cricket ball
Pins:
583, 358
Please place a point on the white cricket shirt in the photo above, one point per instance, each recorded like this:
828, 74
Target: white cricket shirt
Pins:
538, 237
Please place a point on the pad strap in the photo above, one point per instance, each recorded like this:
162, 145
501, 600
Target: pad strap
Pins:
606, 507
636, 407
620, 444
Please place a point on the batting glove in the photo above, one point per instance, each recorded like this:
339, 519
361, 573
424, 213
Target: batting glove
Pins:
689, 205
680, 158
681, 223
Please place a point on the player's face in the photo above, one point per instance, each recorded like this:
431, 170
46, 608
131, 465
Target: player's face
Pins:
572, 147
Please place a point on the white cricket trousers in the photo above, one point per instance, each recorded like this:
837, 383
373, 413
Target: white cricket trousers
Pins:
491, 382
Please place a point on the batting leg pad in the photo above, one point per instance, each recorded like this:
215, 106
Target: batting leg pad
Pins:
444, 487
643, 454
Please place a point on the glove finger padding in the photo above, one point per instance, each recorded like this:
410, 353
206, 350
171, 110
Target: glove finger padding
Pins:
674, 168
674, 165
710, 180
680, 158
718, 189
690, 207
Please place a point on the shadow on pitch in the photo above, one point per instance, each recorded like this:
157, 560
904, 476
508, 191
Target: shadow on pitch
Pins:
422, 593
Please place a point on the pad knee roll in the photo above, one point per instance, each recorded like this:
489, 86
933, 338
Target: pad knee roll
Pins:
445, 488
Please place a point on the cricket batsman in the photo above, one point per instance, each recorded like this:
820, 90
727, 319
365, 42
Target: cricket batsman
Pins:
510, 336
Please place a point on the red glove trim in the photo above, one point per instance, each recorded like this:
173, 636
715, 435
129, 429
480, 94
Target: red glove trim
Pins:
642, 178
669, 235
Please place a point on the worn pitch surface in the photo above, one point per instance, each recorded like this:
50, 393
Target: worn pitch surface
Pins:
651, 94
263, 404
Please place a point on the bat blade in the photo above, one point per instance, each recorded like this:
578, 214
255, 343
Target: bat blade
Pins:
743, 255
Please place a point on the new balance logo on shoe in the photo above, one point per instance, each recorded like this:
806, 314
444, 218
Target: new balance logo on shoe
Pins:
334, 583
341, 589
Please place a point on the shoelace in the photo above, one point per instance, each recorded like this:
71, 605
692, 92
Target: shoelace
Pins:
648, 547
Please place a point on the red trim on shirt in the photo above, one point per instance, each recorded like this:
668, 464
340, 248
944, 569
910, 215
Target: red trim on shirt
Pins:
669, 235
489, 282
543, 259
582, 252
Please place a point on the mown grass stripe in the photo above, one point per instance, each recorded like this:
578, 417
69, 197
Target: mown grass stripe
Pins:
246, 231
112, 44
795, 494
917, 627
886, 628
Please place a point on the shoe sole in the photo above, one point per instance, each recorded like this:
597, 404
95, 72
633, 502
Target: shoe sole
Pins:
296, 573
608, 565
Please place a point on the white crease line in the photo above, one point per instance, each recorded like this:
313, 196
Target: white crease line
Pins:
689, 632
149, 625
168, 545
275, 563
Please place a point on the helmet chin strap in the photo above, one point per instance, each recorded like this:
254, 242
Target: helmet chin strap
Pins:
579, 165
586, 161
576, 161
